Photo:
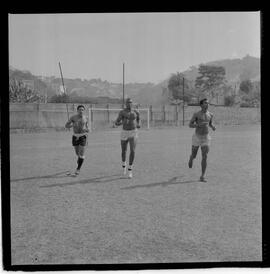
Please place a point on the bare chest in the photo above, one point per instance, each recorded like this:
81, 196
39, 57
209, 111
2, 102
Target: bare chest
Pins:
129, 116
203, 117
79, 121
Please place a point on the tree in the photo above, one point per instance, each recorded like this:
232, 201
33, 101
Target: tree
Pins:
250, 93
211, 80
175, 87
19, 93
246, 86
62, 98
229, 100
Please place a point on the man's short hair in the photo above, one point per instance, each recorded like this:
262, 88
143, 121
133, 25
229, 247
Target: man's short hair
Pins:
202, 101
80, 106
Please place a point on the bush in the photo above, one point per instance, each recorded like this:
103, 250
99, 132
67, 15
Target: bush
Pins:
229, 100
19, 93
246, 105
62, 98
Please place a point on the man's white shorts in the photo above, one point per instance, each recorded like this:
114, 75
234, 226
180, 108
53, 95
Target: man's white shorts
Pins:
126, 134
201, 140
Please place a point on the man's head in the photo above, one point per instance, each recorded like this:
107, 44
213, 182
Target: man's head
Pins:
80, 109
128, 102
204, 104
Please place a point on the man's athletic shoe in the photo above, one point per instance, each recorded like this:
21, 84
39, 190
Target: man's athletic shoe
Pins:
69, 173
202, 179
130, 174
76, 173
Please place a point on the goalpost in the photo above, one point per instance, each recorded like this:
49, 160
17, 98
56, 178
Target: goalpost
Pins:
114, 112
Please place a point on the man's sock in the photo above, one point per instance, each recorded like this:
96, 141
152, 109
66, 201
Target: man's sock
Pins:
80, 162
130, 171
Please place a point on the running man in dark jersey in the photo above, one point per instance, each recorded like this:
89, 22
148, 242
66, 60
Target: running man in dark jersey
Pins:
201, 121
80, 132
130, 119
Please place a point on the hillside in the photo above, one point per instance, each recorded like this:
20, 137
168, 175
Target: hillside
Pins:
236, 71
77, 87
32, 80
151, 95
143, 93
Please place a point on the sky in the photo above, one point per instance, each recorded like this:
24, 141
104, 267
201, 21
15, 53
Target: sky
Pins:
151, 45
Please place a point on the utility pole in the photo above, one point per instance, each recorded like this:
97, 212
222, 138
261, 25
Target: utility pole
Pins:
63, 87
183, 101
123, 85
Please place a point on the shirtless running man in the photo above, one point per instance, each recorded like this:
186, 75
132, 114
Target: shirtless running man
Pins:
79, 138
130, 119
201, 121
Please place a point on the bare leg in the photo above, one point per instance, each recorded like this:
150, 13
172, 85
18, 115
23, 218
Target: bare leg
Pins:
81, 150
123, 150
77, 152
193, 155
205, 150
132, 146
76, 148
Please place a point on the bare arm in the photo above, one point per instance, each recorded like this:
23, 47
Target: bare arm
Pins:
69, 123
86, 126
211, 123
193, 121
118, 120
138, 119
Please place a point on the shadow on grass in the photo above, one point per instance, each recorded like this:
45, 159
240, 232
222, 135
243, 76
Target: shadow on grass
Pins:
96, 180
172, 181
55, 175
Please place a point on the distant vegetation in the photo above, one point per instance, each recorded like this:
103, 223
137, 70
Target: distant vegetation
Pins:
180, 89
212, 81
63, 98
19, 93
226, 82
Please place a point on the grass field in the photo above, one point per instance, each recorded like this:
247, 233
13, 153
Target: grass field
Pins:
162, 215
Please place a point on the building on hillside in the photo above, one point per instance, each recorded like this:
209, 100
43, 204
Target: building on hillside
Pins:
61, 90
236, 88
58, 88
42, 78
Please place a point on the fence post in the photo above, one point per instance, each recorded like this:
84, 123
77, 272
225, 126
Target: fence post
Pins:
148, 118
176, 115
183, 112
90, 118
164, 114
38, 114
150, 109
151, 113
108, 112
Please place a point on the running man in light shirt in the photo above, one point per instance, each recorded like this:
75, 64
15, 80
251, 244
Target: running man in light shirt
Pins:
79, 138
201, 121
130, 119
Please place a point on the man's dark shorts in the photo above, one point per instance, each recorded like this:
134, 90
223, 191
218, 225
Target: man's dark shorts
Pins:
81, 141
